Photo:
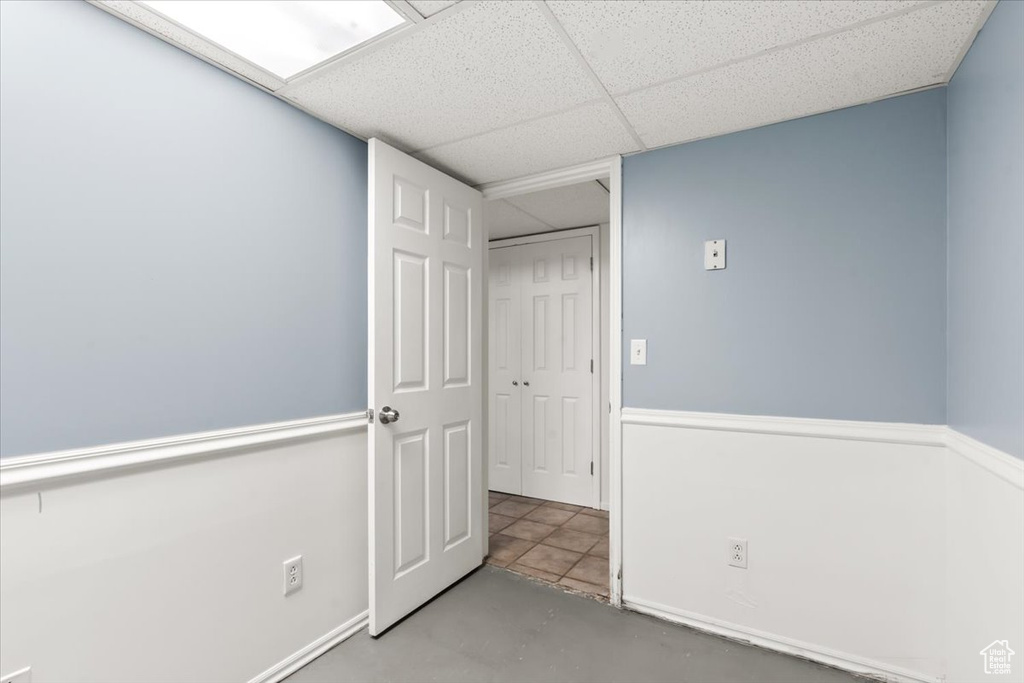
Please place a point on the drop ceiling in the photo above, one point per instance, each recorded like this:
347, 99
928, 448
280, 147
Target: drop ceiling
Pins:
490, 90
571, 206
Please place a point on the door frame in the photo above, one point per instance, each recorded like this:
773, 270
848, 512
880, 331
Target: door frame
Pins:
595, 334
611, 168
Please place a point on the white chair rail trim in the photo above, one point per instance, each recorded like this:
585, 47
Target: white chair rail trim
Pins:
46, 467
1001, 464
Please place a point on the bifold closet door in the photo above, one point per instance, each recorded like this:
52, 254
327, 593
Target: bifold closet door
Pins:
505, 426
557, 370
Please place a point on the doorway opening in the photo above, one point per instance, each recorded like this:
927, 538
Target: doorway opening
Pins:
548, 405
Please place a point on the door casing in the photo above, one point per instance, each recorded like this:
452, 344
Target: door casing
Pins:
610, 168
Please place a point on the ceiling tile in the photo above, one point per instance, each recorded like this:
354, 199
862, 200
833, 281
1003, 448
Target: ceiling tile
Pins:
488, 65
572, 206
589, 132
632, 45
504, 220
910, 51
430, 7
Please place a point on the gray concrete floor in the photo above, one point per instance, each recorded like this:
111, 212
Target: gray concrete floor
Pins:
499, 626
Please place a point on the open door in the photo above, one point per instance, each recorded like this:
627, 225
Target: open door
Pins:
426, 503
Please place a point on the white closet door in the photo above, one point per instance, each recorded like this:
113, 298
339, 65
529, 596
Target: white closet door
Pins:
505, 425
556, 378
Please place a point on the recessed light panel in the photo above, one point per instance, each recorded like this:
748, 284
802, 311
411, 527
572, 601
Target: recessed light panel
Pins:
283, 37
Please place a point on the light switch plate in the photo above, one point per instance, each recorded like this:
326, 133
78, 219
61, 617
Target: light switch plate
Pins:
714, 255
638, 352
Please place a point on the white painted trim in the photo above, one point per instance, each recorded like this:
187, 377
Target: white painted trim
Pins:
549, 236
1002, 465
290, 665
615, 383
840, 660
594, 233
47, 467
886, 432
610, 168
581, 173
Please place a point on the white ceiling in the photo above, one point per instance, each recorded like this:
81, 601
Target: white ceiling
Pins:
490, 90
571, 206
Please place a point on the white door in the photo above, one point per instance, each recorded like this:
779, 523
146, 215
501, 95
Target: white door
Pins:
426, 504
557, 373
505, 394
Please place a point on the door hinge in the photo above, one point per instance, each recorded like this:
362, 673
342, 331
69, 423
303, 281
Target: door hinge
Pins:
591, 264
591, 468
369, 415
591, 366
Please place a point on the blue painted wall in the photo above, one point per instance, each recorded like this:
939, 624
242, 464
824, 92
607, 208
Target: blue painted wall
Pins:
833, 302
986, 235
178, 250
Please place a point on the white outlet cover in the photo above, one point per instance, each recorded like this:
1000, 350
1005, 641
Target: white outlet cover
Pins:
714, 255
292, 575
736, 552
638, 352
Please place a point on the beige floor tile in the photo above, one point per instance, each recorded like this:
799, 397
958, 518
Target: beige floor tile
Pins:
548, 559
591, 570
527, 530
562, 506
601, 549
506, 549
584, 587
588, 524
595, 513
549, 515
568, 539
524, 499
496, 522
493, 498
531, 571
511, 508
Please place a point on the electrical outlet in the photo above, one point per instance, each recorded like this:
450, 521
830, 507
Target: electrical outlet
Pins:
19, 676
714, 255
737, 553
292, 575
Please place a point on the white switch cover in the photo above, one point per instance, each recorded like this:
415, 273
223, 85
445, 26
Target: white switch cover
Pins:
638, 352
714, 255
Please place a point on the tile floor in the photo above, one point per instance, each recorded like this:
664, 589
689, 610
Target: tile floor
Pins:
558, 543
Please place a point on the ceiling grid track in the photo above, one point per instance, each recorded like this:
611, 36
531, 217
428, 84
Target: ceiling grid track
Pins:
780, 48
606, 96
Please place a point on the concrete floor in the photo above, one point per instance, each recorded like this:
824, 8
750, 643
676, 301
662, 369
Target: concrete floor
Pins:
499, 626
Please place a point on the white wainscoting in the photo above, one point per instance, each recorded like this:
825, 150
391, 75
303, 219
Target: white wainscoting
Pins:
849, 526
162, 560
984, 557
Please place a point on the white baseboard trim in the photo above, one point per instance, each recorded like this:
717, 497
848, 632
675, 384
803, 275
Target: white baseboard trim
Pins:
1001, 464
768, 641
287, 667
886, 432
46, 467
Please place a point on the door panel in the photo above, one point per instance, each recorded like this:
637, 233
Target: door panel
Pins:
426, 513
505, 398
557, 382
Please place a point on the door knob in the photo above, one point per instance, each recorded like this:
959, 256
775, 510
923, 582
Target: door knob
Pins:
388, 415
525, 383
515, 383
